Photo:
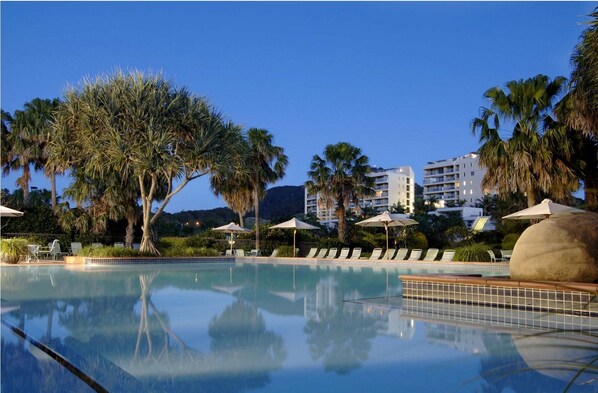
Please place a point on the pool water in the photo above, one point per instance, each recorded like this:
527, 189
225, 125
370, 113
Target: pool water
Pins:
267, 328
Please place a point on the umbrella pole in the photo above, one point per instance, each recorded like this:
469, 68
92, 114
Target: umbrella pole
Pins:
386, 227
294, 234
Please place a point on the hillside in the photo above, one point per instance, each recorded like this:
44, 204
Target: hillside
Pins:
279, 203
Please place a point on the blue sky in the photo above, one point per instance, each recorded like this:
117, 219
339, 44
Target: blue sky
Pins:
402, 81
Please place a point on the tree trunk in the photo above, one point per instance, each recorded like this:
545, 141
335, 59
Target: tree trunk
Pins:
257, 218
130, 232
591, 178
342, 232
531, 197
241, 219
53, 187
147, 244
25, 185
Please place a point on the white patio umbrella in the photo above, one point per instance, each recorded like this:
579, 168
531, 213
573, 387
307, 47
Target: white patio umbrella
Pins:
386, 219
231, 228
294, 224
8, 212
543, 210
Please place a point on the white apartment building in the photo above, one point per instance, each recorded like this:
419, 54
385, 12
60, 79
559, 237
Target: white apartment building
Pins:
391, 186
454, 179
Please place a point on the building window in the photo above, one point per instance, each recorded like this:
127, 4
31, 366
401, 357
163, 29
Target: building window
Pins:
472, 173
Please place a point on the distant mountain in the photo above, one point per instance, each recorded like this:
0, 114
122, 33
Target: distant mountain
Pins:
279, 203
419, 191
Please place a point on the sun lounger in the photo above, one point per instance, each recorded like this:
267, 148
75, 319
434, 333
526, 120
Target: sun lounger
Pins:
416, 253
431, 254
254, 252
401, 254
332, 253
312, 252
274, 253
356, 253
344, 253
96, 245
76, 247
322, 253
239, 252
505, 255
376, 254
119, 244
389, 253
448, 255
492, 256
228, 252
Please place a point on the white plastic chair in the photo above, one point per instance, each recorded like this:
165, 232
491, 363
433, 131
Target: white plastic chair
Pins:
447, 256
322, 253
416, 253
356, 253
376, 254
389, 254
312, 252
76, 247
431, 254
401, 254
344, 253
332, 253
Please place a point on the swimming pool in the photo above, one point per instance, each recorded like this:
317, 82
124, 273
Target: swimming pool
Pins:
230, 327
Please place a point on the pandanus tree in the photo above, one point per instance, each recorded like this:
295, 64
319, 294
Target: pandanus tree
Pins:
340, 178
266, 164
142, 130
579, 109
532, 159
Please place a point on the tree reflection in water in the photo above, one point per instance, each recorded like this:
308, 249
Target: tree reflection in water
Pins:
342, 338
242, 351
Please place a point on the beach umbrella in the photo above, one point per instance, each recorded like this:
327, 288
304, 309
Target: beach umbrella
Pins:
386, 220
545, 209
8, 212
294, 224
231, 228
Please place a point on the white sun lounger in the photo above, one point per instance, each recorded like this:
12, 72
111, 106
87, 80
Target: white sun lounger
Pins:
401, 254
312, 252
416, 253
332, 253
322, 253
344, 253
448, 255
356, 253
389, 253
376, 254
431, 254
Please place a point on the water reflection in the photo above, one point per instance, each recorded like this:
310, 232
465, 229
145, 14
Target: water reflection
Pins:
231, 329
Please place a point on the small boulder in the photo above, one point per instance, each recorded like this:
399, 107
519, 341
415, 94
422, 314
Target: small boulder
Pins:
561, 248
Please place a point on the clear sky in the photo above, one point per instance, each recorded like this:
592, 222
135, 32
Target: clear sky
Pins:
402, 81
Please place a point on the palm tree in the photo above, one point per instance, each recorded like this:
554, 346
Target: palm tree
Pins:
340, 178
579, 109
29, 136
141, 132
267, 164
532, 160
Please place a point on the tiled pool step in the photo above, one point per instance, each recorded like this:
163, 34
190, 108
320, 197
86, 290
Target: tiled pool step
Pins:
545, 296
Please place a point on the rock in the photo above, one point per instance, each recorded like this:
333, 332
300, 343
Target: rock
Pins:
561, 248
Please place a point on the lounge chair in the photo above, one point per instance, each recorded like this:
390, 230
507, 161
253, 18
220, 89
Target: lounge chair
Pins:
312, 252
344, 253
54, 250
322, 253
389, 254
274, 253
119, 244
416, 253
33, 252
136, 246
96, 245
332, 253
431, 254
356, 253
255, 252
505, 255
229, 252
376, 254
447, 255
493, 256
76, 247
239, 252
401, 254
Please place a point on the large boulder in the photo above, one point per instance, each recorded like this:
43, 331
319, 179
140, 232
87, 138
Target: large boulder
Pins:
558, 249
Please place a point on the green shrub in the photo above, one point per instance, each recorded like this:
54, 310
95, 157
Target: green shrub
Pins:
198, 242
417, 240
107, 252
285, 251
508, 243
190, 252
329, 243
12, 249
475, 252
